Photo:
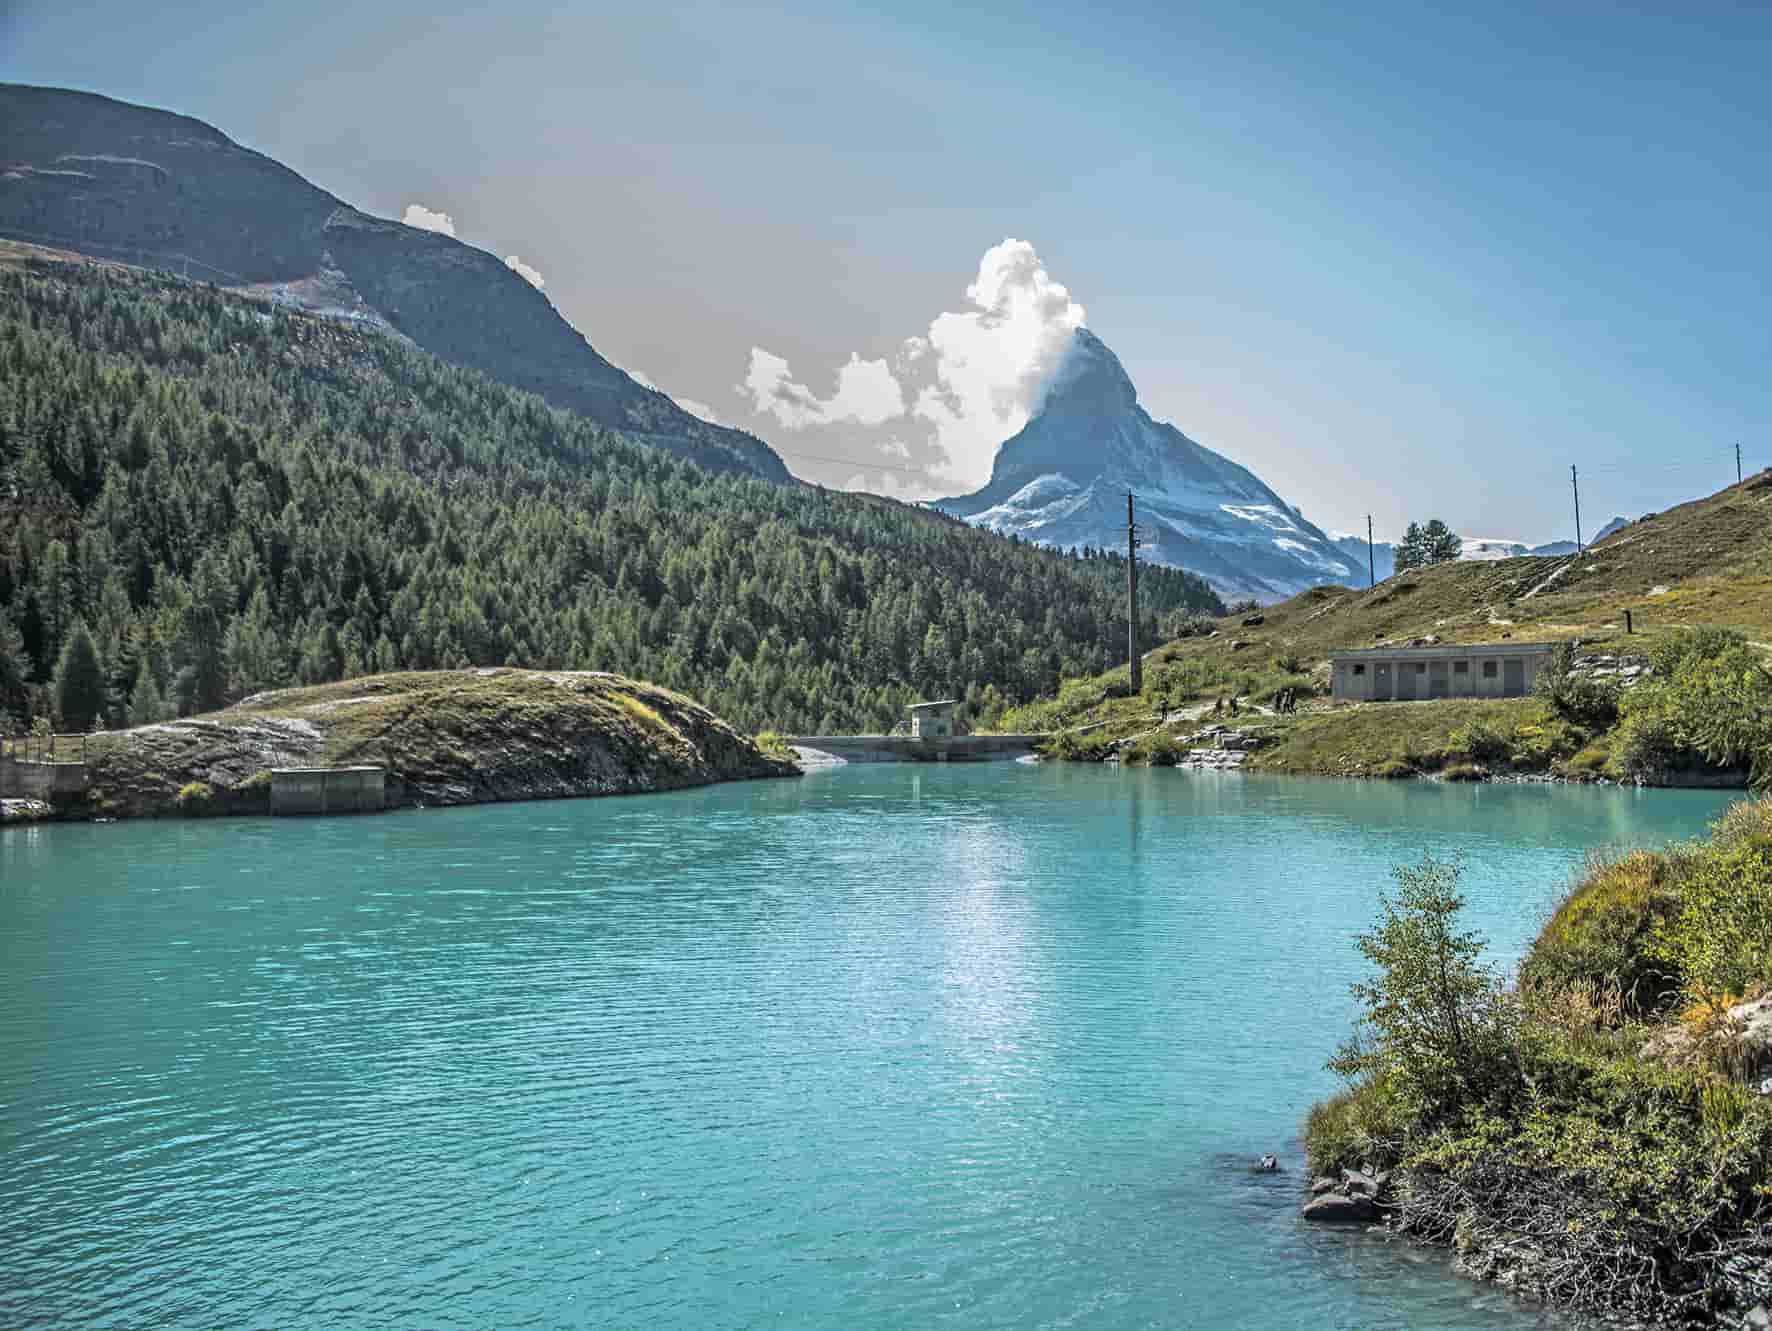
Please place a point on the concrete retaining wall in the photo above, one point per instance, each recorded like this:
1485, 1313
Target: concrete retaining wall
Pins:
904, 749
328, 790
40, 781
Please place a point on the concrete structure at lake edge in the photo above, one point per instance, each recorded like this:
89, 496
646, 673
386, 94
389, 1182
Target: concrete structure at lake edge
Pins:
1473, 670
22, 779
933, 720
328, 790
933, 739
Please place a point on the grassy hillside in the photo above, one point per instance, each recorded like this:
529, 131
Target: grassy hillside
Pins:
229, 497
445, 737
1705, 563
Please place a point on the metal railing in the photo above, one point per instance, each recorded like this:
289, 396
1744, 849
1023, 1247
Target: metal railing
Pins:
44, 748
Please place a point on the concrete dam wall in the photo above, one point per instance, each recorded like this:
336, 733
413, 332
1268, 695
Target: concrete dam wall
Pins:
905, 749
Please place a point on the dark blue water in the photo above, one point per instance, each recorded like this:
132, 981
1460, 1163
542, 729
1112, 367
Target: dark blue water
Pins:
883, 1047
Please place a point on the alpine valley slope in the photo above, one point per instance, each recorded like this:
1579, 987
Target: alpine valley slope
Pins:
132, 184
1062, 481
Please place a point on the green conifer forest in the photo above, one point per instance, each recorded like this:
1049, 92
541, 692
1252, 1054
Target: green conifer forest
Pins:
215, 497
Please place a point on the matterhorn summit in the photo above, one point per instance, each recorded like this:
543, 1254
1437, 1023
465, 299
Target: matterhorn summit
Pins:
1062, 481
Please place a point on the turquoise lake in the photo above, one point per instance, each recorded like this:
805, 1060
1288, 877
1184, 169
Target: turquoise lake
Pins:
882, 1047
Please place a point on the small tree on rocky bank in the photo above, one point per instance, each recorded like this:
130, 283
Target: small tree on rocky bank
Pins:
1436, 1019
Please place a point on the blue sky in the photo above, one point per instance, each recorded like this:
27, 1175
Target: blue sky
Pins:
1397, 262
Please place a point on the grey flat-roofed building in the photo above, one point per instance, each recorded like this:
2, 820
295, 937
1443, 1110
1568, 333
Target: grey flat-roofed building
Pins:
1473, 670
933, 720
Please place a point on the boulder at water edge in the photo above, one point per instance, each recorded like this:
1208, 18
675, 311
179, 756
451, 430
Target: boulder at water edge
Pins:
1334, 1207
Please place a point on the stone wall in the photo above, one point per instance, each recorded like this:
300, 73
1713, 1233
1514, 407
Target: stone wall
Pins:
40, 781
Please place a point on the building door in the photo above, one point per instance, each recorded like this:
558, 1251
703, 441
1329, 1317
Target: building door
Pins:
1381, 682
1405, 681
1513, 678
1438, 678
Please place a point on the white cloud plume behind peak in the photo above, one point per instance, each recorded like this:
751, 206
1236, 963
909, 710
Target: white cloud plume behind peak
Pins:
425, 220
948, 397
524, 271
992, 362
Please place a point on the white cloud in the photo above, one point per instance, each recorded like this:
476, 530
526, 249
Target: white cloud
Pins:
993, 361
957, 391
867, 393
425, 220
522, 270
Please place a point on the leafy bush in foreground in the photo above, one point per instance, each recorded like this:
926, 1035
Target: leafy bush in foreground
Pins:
1540, 1130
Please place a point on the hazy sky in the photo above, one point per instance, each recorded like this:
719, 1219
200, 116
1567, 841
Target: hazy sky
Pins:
1394, 261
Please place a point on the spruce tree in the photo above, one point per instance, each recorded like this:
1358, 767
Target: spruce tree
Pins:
147, 704
14, 668
1412, 549
79, 683
1441, 544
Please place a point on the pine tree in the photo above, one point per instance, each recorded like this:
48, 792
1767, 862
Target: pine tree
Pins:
79, 684
1412, 549
1422, 547
147, 704
1442, 544
14, 668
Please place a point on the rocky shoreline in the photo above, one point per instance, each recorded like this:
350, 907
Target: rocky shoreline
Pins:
444, 738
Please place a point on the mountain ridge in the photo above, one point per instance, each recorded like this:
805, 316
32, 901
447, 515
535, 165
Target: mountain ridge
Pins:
101, 176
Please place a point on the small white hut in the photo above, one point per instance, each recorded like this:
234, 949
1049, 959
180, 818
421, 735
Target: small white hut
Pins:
933, 720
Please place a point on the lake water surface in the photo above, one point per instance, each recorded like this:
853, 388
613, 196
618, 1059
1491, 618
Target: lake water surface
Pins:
884, 1047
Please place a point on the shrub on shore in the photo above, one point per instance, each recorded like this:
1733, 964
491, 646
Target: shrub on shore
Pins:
1157, 749
1068, 746
1709, 700
1605, 931
1569, 1135
197, 799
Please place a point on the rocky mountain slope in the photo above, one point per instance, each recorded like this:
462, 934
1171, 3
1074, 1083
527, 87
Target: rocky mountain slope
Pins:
141, 186
1062, 481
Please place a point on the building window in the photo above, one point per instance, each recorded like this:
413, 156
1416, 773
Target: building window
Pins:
1359, 670
1421, 667
1488, 670
1461, 667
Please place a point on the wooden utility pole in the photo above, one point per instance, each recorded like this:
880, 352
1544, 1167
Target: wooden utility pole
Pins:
1371, 560
1576, 484
1738, 464
1132, 653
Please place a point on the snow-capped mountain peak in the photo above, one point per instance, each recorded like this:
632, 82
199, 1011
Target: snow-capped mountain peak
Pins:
1064, 478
